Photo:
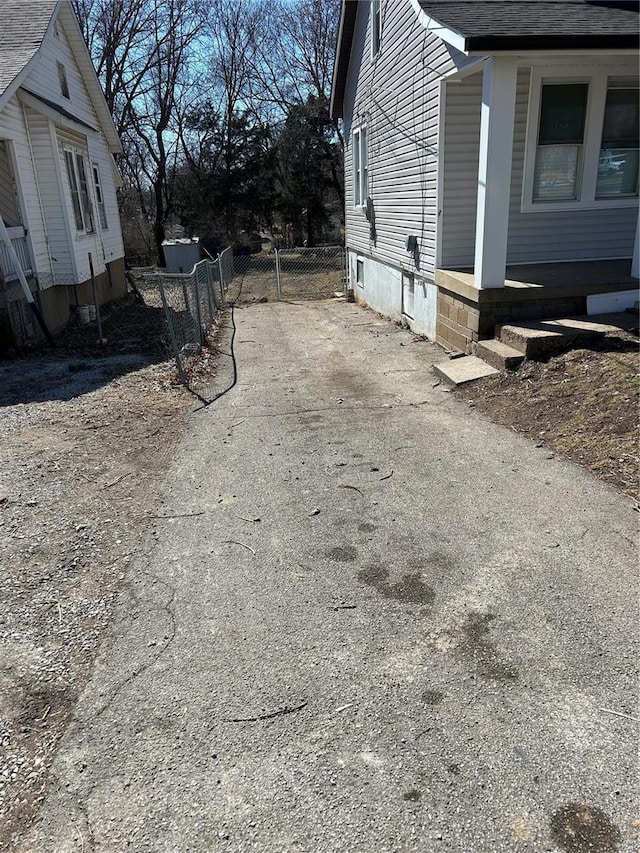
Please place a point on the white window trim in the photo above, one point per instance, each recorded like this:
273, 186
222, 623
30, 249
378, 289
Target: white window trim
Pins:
87, 215
360, 265
594, 120
376, 31
360, 182
99, 196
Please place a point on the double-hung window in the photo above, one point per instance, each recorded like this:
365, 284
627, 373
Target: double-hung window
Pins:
582, 142
360, 167
618, 159
79, 188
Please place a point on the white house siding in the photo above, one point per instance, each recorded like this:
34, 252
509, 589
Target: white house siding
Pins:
533, 237
42, 136
396, 96
566, 235
8, 201
43, 79
82, 244
111, 237
461, 150
13, 128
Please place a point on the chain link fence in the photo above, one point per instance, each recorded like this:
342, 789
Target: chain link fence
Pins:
190, 302
310, 273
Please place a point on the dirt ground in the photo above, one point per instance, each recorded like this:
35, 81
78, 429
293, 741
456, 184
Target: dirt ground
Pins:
582, 404
86, 436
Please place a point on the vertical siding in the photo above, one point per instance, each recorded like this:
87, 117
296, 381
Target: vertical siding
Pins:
533, 237
396, 96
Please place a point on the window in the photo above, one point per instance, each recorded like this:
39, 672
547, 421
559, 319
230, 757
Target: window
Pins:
618, 160
376, 26
80, 199
360, 167
360, 272
560, 137
62, 79
582, 141
97, 185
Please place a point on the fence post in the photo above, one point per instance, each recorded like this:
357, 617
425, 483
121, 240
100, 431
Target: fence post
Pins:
198, 318
172, 334
222, 287
278, 290
210, 296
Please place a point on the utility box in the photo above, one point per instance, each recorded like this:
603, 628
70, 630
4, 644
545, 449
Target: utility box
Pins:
181, 255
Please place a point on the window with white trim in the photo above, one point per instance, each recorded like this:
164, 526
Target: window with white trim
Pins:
376, 26
79, 188
360, 167
97, 186
582, 142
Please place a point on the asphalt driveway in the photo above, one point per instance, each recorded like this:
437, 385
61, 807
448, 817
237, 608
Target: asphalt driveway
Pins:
370, 620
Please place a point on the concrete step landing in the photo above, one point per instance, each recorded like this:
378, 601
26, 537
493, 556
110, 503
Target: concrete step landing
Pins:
457, 371
539, 338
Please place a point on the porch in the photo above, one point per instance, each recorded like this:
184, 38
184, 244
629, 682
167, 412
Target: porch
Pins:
18, 236
467, 313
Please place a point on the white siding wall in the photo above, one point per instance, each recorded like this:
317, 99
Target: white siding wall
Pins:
13, 128
533, 237
43, 80
9, 208
111, 237
56, 218
396, 96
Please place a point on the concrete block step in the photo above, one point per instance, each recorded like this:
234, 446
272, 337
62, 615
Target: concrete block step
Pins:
539, 338
499, 355
457, 371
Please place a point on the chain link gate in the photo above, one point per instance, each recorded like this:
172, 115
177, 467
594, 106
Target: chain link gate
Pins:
310, 273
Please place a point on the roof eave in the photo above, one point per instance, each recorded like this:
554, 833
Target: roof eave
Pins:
343, 54
551, 43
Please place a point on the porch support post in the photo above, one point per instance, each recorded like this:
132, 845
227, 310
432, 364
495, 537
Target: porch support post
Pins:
635, 262
494, 172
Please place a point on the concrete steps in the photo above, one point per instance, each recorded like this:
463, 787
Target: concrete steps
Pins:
499, 355
532, 340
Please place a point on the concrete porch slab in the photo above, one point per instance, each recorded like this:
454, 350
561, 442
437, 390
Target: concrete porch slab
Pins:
461, 370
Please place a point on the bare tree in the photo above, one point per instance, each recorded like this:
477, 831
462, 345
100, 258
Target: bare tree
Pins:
144, 52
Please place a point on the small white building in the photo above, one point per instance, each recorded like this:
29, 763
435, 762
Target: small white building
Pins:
491, 158
58, 176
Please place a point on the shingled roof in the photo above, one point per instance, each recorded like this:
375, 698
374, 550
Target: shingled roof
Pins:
490, 25
23, 26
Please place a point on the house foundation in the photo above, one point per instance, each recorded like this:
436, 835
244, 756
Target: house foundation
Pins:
467, 314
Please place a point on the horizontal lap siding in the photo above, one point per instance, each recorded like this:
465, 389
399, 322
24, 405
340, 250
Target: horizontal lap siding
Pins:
12, 126
111, 237
460, 182
43, 80
396, 96
52, 204
566, 235
533, 237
